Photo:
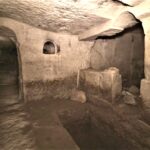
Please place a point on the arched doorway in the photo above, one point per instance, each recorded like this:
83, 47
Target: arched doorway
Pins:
9, 70
10, 65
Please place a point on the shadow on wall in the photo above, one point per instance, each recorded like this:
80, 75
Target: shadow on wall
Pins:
124, 51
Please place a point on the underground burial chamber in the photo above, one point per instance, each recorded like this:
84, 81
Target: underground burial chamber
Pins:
101, 127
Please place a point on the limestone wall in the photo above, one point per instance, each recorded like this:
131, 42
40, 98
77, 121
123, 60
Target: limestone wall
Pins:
39, 67
125, 51
145, 83
146, 26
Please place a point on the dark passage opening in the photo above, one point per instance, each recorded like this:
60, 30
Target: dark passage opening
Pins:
9, 84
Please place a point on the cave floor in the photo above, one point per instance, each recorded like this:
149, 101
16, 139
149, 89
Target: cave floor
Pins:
15, 128
37, 124
50, 134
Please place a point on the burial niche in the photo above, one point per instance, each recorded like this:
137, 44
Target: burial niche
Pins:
50, 48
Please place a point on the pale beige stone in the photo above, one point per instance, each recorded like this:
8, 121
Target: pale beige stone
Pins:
112, 81
73, 17
90, 76
145, 92
129, 98
78, 95
108, 80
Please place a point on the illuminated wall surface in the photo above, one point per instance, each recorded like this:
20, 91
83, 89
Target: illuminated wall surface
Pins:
75, 74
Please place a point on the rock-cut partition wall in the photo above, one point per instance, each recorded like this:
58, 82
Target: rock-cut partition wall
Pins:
124, 51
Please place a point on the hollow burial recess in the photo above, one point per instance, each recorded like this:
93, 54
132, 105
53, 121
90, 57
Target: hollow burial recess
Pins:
100, 129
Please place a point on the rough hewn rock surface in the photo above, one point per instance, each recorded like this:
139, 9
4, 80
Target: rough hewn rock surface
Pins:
61, 15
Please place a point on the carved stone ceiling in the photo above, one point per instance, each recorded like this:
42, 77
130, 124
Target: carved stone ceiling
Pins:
71, 16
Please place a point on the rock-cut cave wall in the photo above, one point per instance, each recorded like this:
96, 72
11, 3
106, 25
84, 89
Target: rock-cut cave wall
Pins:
39, 69
124, 51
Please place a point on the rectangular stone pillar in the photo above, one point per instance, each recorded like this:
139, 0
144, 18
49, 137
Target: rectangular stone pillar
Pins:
107, 82
145, 83
145, 92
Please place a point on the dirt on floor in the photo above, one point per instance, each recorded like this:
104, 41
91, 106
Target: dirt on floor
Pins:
58, 123
97, 124
15, 128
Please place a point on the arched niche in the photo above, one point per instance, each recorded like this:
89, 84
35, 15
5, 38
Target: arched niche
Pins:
50, 47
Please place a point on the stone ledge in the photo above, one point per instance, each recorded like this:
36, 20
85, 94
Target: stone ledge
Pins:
108, 82
145, 92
